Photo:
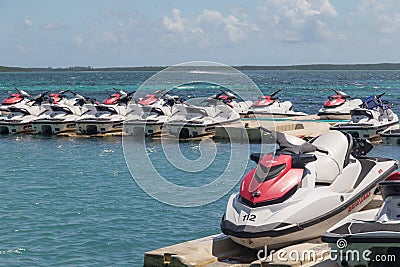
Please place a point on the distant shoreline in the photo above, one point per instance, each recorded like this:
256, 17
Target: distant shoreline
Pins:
377, 66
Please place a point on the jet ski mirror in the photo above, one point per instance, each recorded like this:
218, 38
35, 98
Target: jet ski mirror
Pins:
361, 147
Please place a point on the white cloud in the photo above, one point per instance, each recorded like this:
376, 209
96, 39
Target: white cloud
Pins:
28, 23
78, 40
383, 16
300, 20
176, 23
210, 16
237, 29
208, 28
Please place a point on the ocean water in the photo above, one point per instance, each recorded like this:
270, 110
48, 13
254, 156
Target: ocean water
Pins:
72, 201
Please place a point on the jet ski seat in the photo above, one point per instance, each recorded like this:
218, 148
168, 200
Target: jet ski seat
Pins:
331, 164
286, 105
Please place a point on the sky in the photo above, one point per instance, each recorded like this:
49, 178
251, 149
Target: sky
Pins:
117, 33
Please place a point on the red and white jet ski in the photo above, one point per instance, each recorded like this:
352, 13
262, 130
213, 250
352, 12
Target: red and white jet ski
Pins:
303, 189
272, 106
21, 97
107, 117
338, 106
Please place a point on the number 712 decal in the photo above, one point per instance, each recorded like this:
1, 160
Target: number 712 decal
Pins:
249, 217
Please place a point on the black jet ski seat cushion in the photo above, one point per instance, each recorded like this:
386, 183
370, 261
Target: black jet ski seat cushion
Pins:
330, 164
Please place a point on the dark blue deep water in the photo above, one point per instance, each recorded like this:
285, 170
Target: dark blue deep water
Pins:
72, 201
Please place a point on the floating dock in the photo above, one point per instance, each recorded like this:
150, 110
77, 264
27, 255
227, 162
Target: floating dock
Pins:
220, 251
249, 129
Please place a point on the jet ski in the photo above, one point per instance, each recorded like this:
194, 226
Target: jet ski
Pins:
189, 121
150, 113
302, 189
21, 97
391, 136
233, 101
272, 106
338, 106
23, 114
367, 122
64, 113
107, 117
376, 230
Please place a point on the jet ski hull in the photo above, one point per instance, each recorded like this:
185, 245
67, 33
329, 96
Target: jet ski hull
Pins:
49, 127
292, 234
143, 127
190, 130
367, 131
15, 127
99, 126
391, 136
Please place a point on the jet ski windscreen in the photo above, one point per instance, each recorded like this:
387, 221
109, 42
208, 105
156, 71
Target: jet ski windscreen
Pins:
264, 173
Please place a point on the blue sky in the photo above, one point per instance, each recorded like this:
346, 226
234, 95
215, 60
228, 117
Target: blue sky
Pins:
103, 33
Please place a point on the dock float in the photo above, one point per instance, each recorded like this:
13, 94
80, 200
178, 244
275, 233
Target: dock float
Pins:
250, 129
220, 251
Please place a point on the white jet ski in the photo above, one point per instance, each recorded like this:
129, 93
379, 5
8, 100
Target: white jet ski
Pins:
391, 136
338, 106
108, 117
149, 114
21, 97
64, 113
233, 101
376, 230
22, 114
369, 121
303, 189
189, 121
272, 106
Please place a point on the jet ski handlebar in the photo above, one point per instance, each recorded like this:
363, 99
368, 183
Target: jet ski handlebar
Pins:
298, 160
22, 93
379, 96
286, 145
275, 93
39, 97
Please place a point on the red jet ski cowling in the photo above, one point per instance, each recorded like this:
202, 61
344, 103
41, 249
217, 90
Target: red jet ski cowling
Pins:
334, 101
264, 101
274, 179
12, 99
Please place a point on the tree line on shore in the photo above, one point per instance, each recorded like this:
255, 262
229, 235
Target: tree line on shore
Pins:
379, 66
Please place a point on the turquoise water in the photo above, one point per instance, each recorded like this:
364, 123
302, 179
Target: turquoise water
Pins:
72, 202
